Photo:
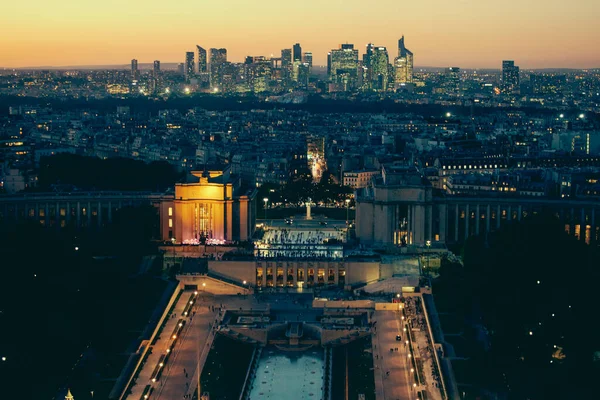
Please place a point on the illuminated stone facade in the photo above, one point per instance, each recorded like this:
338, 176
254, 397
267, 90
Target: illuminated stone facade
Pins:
216, 208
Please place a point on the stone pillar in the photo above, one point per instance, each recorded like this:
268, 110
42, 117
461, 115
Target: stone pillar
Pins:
509, 214
456, 219
109, 212
78, 214
520, 215
295, 274
229, 220
99, 214
264, 276
68, 212
593, 226
467, 221
487, 219
443, 218
477, 219
498, 217
285, 272
336, 278
46, 214
89, 213
583, 225
429, 216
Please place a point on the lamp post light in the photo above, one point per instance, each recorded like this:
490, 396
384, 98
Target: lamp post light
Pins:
244, 284
266, 200
428, 246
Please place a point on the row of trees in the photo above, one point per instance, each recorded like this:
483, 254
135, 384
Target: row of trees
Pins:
299, 190
530, 284
92, 173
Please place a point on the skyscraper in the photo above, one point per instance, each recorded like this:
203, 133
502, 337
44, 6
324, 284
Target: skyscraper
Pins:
343, 68
297, 52
134, 69
286, 66
218, 61
189, 66
403, 64
452, 81
202, 61
156, 69
308, 58
510, 77
379, 62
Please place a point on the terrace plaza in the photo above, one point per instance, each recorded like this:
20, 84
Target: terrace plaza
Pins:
273, 345
284, 320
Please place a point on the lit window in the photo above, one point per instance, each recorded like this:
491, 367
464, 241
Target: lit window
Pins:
170, 211
170, 223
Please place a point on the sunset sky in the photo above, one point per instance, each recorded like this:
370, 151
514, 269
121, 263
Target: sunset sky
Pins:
464, 33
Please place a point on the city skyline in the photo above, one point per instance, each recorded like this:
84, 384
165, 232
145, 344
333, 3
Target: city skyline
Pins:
466, 34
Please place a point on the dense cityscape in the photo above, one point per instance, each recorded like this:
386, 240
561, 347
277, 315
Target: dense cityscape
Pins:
270, 228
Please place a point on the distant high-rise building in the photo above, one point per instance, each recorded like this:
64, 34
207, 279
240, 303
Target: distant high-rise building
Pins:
510, 77
403, 65
452, 81
218, 62
286, 66
202, 60
379, 64
156, 69
343, 68
308, 58
181, 68
135, 73
297, 52
543, 83
189, 71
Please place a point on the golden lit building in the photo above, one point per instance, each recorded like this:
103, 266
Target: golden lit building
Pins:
215, 207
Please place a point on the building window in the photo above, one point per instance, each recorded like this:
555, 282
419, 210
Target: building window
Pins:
170, 211
170, 222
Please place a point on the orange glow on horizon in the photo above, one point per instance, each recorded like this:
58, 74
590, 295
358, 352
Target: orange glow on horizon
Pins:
466, 33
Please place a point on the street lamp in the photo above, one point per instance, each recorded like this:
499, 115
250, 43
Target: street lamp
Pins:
347, 214
266, 200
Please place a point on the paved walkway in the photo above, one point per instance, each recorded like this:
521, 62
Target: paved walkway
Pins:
159, 348
194, 345
398, 384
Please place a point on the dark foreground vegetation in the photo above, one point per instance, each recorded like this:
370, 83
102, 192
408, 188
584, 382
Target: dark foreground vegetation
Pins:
72, 305
526, 308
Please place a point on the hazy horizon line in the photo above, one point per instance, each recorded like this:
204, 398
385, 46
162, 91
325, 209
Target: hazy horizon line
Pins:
126, 66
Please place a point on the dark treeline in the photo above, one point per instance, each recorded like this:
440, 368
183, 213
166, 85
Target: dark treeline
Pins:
532, 286
59, 300
315, 104
92, 173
